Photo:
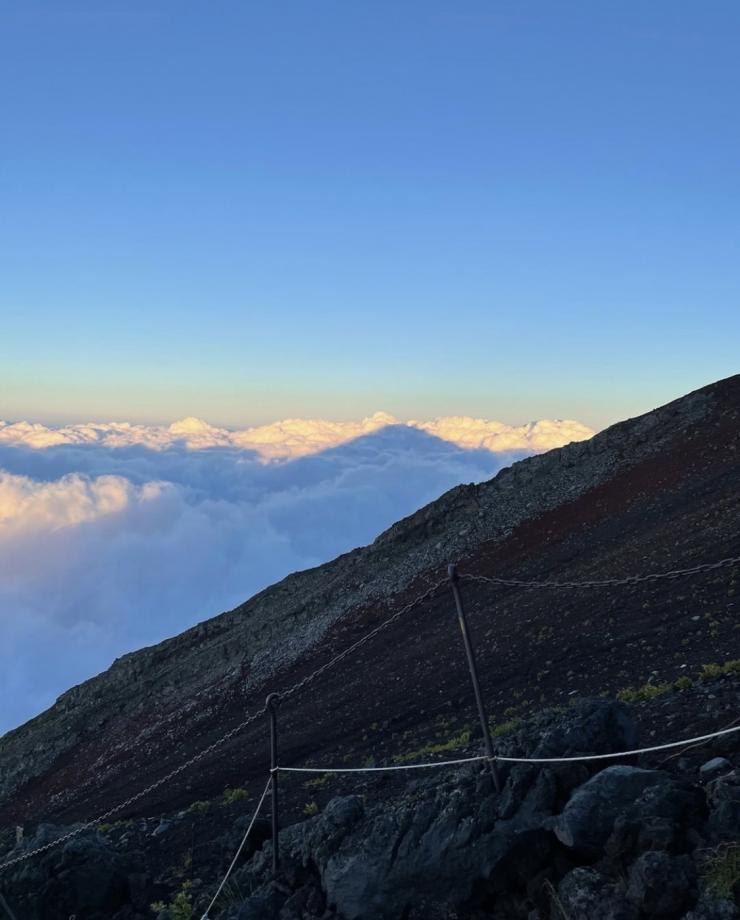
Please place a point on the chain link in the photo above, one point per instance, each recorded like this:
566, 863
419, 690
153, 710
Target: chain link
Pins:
299, 685
606, 582
227, 736
100, 819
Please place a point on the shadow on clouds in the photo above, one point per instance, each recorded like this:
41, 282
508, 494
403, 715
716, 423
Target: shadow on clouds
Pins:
103, 550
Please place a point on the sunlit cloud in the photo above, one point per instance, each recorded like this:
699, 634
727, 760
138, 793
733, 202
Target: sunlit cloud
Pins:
296, 437
113, 536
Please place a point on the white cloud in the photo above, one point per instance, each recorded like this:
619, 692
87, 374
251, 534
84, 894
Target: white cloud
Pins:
291, 438
113, 535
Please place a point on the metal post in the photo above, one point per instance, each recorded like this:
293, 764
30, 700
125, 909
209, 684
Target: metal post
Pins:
455, 583
271, 704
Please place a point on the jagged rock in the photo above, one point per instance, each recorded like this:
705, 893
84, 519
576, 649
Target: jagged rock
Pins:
585, 894
658, 819
86, 877
454, 841
659, 884
589, 817
595, 727
424, 853
723, 798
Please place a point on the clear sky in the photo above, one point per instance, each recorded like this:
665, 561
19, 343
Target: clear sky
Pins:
247, 210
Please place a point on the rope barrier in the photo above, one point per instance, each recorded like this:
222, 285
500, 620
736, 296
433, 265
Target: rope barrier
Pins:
606, 582
463, 760
239, 849
406, 766
299, 685
645, 750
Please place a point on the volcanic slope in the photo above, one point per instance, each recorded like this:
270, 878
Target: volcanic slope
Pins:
649, 494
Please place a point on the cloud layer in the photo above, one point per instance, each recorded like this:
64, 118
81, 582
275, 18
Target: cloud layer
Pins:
294, 437
113, 536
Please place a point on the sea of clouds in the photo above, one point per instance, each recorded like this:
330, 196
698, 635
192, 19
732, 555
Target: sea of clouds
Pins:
114, 536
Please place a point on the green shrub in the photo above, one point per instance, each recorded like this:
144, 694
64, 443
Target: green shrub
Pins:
452, 744
721, 871
710, 671
310, 809
505, 728
180, 907
235, 795
645, 692
318, 781
198, 807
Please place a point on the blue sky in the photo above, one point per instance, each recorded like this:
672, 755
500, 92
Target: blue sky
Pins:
248, 211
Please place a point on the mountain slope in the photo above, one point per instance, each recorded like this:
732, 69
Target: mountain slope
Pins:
649, 494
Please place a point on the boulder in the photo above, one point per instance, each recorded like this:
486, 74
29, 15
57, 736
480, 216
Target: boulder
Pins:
585, 894
723, 799
659, 884
715, 765
589, 816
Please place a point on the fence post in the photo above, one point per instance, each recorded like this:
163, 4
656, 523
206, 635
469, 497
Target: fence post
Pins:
271, 704
455, 584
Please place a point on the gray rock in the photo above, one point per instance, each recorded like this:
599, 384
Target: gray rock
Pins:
585, 894
588, 819
723, 798
86, 877
715, 765
659, 884
711, 909
660, 818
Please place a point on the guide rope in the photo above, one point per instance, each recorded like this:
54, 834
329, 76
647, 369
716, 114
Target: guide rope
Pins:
605, 582
400, 766
239, 849
309, 678
498, 758
645, 750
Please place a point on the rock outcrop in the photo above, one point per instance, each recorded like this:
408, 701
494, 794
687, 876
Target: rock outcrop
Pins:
613, 842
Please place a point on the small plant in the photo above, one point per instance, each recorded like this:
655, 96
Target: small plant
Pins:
710, 671
505, 728
452, 744
235, 795
231, 893
721, 870
318, 781
310, 809
683, 683
558, 908
645, 692
198, 807
180, 907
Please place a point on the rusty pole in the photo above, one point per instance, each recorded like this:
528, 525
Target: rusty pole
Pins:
271, 704
470, 653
